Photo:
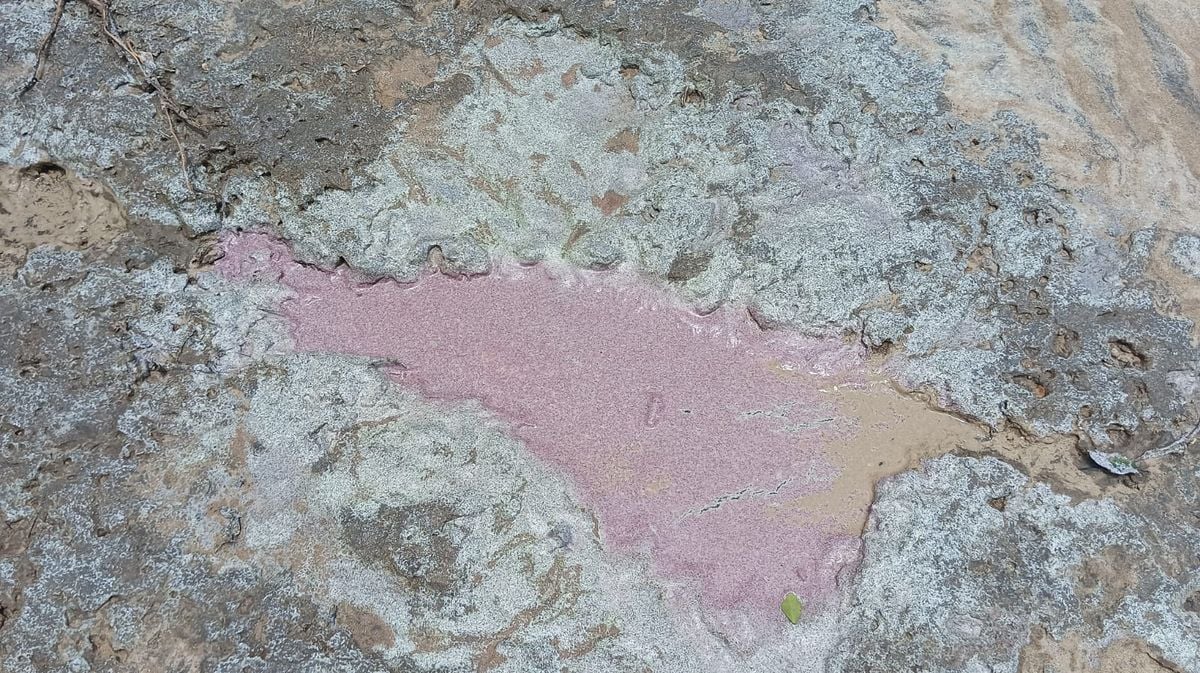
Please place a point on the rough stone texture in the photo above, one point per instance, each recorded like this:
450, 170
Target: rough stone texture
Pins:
833, 195
935, 580
691, 438
998, 197
1109, 85
46, 205
806, 213
287, 512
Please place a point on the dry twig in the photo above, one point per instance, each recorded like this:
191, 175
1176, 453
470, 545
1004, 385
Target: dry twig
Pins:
1178, 446
168, 108
44, 47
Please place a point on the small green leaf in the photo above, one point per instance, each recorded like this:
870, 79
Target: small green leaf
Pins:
792, 608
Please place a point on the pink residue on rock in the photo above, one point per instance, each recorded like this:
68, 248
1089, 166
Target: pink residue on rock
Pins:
688, 435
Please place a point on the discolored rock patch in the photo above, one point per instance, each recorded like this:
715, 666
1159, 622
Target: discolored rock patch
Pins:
47, 204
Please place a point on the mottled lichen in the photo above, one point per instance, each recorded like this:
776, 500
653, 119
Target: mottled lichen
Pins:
163, 453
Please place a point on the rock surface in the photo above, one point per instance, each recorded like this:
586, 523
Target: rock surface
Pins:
992, 205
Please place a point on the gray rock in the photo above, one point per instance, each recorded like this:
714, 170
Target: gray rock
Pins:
180, 490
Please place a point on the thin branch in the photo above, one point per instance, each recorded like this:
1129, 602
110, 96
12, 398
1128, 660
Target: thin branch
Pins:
179, 148
169, 109
44, 47
1178, 446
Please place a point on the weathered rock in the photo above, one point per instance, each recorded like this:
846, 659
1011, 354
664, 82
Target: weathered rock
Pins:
970, 566
999, 198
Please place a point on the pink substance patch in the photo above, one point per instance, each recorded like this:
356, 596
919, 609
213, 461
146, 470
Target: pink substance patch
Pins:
689, 436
